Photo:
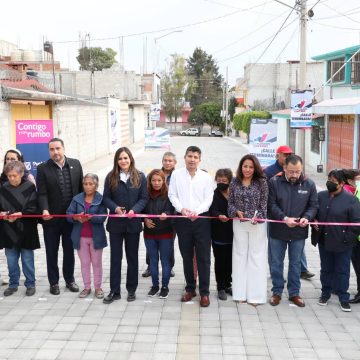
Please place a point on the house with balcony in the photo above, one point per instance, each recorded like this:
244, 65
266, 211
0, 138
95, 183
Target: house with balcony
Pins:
341, 107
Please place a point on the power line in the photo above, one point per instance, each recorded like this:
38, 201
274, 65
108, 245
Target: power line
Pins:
334, 26
343, 14
282, 28
169, 28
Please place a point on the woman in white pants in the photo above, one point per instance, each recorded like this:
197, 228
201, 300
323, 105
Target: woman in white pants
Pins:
248, 195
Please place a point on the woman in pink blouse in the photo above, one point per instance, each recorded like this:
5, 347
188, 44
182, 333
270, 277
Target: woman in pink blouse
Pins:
248, 194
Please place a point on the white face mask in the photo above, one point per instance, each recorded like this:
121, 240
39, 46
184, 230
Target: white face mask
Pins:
357, 183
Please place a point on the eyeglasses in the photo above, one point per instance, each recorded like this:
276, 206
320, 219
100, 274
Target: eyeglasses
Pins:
294, 172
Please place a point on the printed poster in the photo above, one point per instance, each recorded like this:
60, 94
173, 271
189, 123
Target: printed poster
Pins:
263, 140
155, 112
32, 138
301, 109
158, 138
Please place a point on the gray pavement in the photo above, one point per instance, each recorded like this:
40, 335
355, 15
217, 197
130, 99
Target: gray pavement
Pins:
46, 327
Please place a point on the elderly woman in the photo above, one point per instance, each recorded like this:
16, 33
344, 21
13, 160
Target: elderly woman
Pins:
18, 235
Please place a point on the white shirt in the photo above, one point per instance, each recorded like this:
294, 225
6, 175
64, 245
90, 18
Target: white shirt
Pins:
192, 193
124, 176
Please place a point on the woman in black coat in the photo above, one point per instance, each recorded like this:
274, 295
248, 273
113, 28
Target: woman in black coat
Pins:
336, 241
19, 236
222, 233
158, 232
124, 193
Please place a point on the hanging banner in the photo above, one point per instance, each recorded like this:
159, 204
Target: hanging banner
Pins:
301, 109
32, 138
158, 138
114, 128
263, 140
155, 112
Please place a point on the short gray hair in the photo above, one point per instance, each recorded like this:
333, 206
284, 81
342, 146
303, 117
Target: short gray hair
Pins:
169, 153
93, 177
17, 166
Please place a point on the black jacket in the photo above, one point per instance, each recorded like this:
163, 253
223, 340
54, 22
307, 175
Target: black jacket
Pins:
158, 206
48, 187
343, 207
221, 232
293, 200
129, 197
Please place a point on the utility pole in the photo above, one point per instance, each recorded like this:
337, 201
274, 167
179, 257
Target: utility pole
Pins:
300, 133
226, 101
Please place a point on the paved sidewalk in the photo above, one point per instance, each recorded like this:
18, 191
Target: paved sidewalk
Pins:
46, 327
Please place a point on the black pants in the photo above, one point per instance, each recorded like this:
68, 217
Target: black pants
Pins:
172, 257
223, 265
195, 234
61, 229
116, 254
355, 259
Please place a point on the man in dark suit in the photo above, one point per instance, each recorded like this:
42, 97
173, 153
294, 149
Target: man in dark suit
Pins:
58, 180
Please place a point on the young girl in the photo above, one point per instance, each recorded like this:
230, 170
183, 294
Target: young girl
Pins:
158, 232
88, 234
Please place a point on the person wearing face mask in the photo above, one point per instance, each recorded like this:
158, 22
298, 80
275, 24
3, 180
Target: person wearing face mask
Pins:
292, 199
336, 242
222, 233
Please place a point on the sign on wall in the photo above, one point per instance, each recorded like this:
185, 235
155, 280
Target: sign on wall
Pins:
32, 137
263, 140
301, 109
155, 112
114, 128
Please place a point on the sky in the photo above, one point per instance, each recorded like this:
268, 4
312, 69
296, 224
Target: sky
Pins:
234, 32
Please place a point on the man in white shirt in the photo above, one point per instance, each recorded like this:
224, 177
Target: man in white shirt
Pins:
191, 193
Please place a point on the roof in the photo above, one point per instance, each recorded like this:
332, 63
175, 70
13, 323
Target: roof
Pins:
338, 53
25, 84
346, 106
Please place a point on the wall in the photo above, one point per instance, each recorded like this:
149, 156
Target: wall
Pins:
5, 129
341, 92
140, 118
271, 83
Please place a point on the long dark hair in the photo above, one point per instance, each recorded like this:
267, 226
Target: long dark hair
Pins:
258, 171
164, 189
114, 174
20, 157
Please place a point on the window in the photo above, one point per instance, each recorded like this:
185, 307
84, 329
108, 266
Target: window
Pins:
355, 69
333, 66
315, 143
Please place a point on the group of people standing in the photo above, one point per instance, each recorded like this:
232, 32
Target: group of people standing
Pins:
232, 218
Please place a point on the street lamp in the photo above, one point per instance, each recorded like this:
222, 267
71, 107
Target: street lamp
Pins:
156, 62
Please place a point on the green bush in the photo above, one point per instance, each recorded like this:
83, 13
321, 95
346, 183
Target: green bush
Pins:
242, 121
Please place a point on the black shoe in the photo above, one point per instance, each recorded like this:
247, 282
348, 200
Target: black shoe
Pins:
355, 300
229, 290
54, 289
222, 295
306, 275
72, 287
164, 293
172, 273
30, 291
131, 296
345, 306
153, 291
146, 273
9, 291
111, 297
323, 301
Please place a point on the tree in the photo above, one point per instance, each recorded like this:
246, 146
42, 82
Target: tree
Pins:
175, 87
95, 58
205, 73
208, 113
232, 105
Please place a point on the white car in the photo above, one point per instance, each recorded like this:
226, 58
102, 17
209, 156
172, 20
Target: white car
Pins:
190, 132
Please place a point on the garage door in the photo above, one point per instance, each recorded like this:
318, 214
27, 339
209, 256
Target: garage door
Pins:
341, 140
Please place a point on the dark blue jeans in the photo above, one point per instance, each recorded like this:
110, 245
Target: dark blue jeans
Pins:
28, 267
163, 248
295, 250
335, 269
116, 255
61, 229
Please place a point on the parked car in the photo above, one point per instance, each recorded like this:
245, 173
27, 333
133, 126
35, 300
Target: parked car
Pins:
216, 133
190, 132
